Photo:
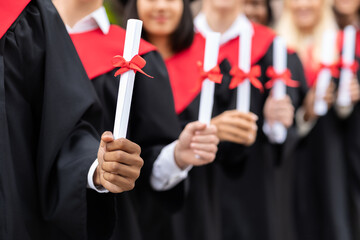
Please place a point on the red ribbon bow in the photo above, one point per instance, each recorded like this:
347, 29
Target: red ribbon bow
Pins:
136, 64
239, 76
213, 74
334, 69
353, 67
285, 76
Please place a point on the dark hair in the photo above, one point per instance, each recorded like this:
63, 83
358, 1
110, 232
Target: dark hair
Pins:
269, 19
183, 35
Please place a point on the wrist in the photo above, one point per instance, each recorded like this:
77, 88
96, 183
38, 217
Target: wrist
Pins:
96, 177
178, 159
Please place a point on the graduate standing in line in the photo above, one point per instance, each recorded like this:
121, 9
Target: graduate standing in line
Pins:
258, 11
153, 122
320, 196
235, 129
169, 26
48, 134
255, 201
348, 13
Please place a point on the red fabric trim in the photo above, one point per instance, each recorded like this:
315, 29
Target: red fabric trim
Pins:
183, 70
96, 50
9, 12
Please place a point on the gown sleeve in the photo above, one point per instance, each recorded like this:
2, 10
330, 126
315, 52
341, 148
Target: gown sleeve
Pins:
50, 116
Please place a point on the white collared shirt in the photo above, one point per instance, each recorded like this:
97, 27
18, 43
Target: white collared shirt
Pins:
96, 19
241, 25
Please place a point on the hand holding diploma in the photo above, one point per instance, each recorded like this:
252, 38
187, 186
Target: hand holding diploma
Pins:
237, 127
278, 110
197, 145
119, 164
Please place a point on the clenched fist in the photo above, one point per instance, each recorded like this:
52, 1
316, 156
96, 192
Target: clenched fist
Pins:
119, 164
237, 127
197, 145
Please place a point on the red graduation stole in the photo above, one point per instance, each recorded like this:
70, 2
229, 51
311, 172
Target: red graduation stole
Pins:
96, 50
9, 12
183, 69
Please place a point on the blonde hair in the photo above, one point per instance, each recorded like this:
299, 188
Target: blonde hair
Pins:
299, 41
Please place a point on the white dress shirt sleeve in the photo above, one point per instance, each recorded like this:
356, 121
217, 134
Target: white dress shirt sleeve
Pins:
271, 134
303, 127
166, 174
344, 112
90, 181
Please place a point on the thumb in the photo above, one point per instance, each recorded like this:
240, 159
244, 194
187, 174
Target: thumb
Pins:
106, 138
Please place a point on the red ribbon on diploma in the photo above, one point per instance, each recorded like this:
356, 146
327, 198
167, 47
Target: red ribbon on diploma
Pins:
334, 69
136, 64
353, 67
239, 76
213, 74
285, 76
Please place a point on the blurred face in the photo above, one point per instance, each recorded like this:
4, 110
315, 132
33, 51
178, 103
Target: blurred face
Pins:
160, 17
347, 7
224, 4
256, 11
306, 13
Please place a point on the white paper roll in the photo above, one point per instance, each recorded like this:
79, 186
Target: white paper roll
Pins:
346, 74
244, 89
131, 48
324, 78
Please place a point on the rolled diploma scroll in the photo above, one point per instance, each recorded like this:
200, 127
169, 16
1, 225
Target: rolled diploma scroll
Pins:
346, 74
244, 89
324, 77
279, 88
131, 48
208, 87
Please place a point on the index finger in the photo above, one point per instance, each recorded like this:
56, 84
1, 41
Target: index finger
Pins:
124, 145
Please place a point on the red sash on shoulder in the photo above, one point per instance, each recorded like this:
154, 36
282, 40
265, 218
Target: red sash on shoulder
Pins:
183, 70
96, 50
9, 12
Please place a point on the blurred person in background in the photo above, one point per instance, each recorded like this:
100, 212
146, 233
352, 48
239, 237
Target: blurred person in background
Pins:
258, 11
347, 12
321, 203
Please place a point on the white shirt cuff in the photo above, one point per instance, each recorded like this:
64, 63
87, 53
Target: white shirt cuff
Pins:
303, 127
90, 182
166, 174
344, 111
276, 133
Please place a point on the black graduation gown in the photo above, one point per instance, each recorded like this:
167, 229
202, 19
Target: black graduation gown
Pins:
352, 153
227, 199
256, 206
152, 124
48, 138
279, 161
320, 193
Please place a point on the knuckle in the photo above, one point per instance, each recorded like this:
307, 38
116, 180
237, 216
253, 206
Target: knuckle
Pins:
119, 155
121, 143
114, 167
